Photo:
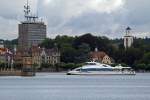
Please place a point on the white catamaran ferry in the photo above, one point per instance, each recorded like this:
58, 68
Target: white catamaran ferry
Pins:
95, 68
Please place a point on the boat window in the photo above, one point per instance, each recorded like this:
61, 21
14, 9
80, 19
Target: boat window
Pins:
90, 63
77, 69
116, 69
105, 69
97, 69
84, 70
91, 69
105, 65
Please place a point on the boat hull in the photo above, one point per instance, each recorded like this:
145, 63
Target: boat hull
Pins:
101, 73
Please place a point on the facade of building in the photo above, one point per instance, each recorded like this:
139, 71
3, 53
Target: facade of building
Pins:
2, 55
31, 31
128, 38
106, 60
49, 56
6, 56
27, 62
18, 57
31, 34
28, 69
37, 56
100, 56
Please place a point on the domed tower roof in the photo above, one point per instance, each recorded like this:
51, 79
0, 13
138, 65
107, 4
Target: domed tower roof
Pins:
128, 28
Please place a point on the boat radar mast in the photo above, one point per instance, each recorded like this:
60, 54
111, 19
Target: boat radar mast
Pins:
28, 16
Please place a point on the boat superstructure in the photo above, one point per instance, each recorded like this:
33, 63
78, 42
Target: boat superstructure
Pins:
95, 68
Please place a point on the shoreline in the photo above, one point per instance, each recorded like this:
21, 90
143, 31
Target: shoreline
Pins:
57, 73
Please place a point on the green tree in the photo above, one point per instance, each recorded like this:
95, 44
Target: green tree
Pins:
88, 39
62, 40
47, 43
141, 66
68, 54
146, 58
82, 53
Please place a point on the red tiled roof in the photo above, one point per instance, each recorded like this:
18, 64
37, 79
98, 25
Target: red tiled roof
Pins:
98, 55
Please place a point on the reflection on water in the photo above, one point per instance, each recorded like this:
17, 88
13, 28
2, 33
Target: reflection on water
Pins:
62, 87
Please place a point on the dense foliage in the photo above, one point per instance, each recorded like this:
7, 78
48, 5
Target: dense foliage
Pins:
75, 50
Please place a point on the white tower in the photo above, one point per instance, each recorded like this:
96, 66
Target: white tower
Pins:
96, 49
128, 38
1, 44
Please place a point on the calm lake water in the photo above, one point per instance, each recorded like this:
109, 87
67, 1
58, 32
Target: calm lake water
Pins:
62, 87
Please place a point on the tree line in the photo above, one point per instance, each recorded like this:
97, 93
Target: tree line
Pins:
75, 50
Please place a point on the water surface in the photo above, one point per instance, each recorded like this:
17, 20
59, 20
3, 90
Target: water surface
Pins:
56, 86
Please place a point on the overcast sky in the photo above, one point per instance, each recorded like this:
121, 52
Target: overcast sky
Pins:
76, 17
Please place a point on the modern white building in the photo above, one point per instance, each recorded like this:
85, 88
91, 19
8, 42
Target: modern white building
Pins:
128, 38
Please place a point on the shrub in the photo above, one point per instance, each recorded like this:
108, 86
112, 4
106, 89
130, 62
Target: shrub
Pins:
141, 66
